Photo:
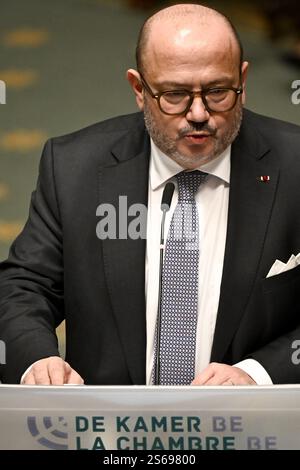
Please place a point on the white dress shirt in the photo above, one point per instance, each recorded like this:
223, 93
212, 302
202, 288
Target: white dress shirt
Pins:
212, 203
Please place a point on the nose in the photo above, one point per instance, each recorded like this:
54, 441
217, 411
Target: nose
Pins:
197, 111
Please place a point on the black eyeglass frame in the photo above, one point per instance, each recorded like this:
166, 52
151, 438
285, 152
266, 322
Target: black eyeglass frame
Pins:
192, 95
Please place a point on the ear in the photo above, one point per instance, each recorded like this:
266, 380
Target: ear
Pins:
134, 79
244, 73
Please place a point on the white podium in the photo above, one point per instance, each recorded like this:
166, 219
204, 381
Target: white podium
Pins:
149, 418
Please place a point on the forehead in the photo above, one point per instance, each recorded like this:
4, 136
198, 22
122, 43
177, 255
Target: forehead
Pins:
191, 49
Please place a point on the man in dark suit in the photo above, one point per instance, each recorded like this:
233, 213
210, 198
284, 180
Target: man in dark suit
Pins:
59, 268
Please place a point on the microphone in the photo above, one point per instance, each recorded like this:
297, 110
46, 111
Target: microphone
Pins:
164, 207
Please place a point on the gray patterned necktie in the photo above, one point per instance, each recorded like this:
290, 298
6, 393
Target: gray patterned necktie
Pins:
179, 297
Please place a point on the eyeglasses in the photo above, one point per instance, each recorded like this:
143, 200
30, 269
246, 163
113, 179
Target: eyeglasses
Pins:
177, 102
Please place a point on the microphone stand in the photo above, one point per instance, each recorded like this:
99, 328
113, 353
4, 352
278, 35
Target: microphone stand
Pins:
165, 206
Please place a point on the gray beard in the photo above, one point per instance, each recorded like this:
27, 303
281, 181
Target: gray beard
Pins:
168, 146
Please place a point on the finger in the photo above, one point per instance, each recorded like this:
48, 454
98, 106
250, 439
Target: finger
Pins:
205, 376
241, 377
28, 379
217, 379
57, 370
244, 380
228, 382
74, 378
40, 374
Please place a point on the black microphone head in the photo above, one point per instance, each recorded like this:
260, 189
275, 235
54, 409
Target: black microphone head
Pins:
167, 197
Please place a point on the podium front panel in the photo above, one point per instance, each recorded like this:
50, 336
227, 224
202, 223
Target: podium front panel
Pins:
149, 418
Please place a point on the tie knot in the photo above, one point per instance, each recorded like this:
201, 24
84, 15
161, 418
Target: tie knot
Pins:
188, 184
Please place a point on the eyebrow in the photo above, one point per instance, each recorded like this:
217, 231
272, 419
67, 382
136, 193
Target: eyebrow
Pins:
221, 81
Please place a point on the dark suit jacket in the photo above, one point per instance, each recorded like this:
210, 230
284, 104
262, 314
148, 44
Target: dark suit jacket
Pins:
58, 268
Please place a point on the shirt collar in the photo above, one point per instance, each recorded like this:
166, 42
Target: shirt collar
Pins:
162, 168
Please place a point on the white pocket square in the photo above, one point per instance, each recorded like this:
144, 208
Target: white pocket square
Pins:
280, 267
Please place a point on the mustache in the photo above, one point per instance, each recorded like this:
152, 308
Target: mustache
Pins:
197, 127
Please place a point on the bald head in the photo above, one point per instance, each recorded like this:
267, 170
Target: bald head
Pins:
179, 21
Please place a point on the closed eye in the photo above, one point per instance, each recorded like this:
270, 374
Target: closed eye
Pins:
175, 96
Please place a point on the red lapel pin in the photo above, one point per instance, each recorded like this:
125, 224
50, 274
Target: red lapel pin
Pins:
264, 178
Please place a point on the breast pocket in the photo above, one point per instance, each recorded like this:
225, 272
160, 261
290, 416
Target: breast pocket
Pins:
281, 295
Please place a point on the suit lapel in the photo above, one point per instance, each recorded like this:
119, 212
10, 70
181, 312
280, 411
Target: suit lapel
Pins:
250, 205
124, 259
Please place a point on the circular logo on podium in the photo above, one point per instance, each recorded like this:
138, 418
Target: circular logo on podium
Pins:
48, 431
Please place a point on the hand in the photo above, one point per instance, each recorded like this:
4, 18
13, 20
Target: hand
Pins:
51, 371
223, 374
